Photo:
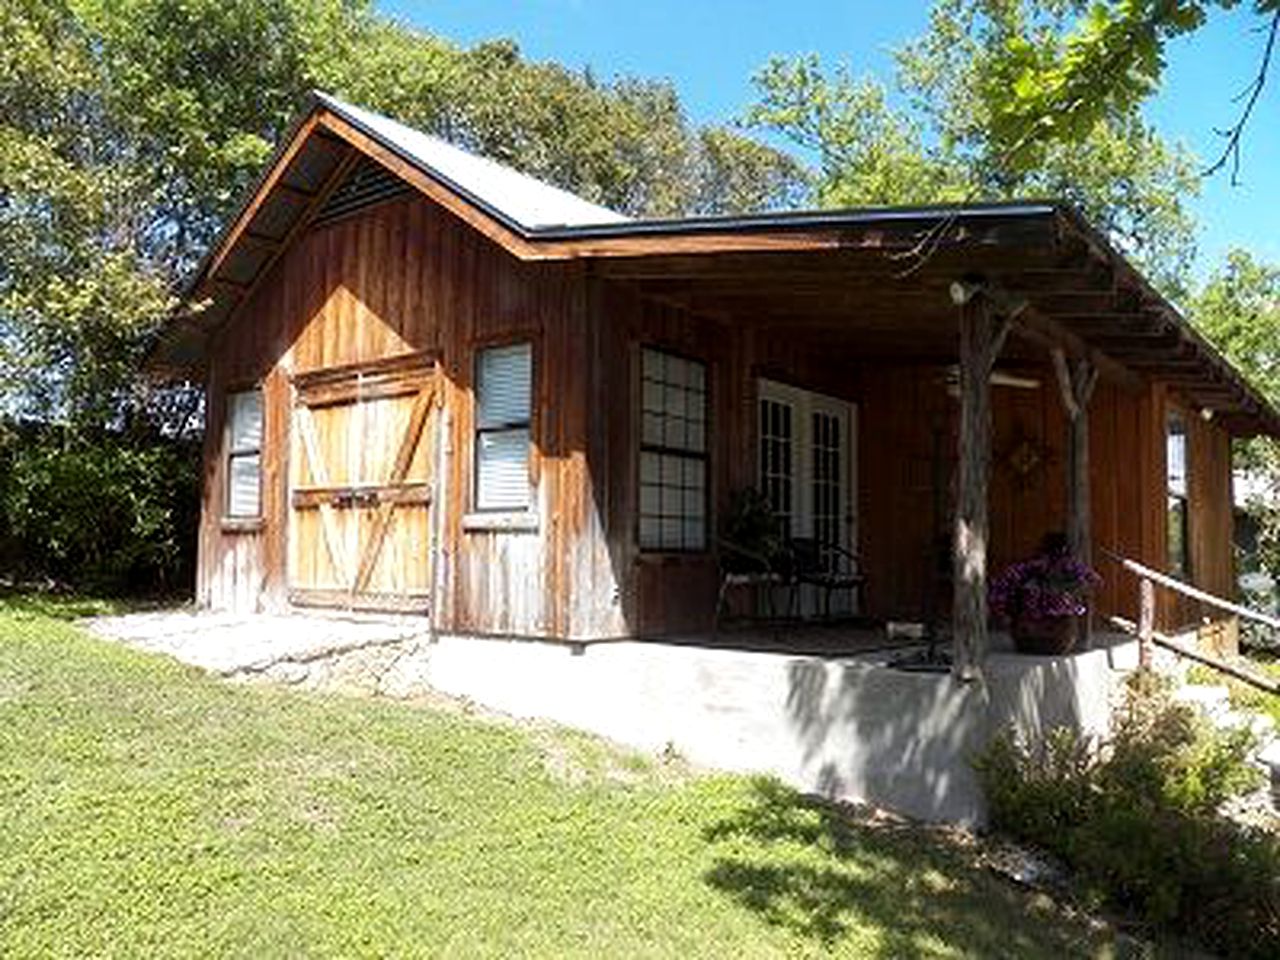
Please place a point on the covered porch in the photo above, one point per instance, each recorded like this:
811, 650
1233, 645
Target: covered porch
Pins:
1007, 374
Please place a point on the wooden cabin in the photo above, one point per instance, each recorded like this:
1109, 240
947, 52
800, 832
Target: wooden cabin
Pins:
437, 385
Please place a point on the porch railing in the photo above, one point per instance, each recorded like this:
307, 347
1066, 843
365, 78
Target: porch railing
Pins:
1148, 636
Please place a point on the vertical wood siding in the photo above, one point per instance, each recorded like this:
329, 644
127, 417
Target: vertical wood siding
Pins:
405, 276
906, 448
397, 278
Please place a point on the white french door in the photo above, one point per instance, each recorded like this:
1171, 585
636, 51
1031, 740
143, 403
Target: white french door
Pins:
807, 469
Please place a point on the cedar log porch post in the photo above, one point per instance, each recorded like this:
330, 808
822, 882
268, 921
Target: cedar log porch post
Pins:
982, 335
1076, 382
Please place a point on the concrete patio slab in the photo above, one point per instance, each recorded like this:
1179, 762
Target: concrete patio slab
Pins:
227, 643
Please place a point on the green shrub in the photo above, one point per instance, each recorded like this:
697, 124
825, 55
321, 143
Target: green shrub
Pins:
1165, 756
1137, 819
108, 513
1039, 790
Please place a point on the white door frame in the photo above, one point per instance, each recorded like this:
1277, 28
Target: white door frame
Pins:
804, 403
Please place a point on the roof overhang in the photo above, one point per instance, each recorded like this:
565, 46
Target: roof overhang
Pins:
1080, 290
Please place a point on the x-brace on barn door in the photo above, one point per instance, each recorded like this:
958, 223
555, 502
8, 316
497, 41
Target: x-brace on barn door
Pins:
361, 485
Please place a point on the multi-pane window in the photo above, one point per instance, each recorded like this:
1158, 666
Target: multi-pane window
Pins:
673, 452
244, 453
504, 401
777, 471
1176, 485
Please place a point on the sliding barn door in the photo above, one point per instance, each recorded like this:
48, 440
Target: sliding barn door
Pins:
361, 459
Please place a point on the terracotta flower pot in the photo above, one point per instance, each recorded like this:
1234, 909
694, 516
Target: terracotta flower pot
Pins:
1044, 636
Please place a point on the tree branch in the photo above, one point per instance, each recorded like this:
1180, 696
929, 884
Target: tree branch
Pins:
1231, 152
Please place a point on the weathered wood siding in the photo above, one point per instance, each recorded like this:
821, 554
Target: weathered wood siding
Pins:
666, 592
908, 420
407, 277
403, 277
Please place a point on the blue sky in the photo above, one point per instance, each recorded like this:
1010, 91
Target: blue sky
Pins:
710, 50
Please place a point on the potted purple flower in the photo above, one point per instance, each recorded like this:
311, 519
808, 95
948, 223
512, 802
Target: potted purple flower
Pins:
1044, 598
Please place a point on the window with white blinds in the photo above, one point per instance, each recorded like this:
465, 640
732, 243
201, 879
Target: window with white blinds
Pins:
673, 452
244, 454
504, 401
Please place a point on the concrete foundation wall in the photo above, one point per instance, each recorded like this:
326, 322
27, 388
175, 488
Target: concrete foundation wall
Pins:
847, 728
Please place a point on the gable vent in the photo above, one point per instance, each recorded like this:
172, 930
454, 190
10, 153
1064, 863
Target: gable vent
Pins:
368, 183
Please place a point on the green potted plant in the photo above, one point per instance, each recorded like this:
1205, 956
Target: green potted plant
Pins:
1044, 597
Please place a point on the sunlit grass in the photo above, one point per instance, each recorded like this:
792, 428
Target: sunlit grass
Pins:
147, 809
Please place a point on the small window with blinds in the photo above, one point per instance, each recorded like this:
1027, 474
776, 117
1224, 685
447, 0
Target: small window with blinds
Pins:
244, 454
504, 400
673, 452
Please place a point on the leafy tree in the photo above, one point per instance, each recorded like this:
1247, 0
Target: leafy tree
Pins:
1238, 308
1058, 84
737, 175
129, 129
868, 153
75, 291
940, 143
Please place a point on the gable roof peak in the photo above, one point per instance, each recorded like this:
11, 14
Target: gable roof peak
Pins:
522, 201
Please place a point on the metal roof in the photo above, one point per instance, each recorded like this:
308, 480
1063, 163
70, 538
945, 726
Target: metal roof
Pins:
514, 197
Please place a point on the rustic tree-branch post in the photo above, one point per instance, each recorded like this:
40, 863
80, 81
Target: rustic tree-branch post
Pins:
1146, 620
1076, 382
982, 334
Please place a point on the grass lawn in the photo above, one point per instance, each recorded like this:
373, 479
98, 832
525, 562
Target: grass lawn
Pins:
149, 810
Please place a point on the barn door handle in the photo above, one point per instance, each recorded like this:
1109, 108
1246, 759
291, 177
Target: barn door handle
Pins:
355, 498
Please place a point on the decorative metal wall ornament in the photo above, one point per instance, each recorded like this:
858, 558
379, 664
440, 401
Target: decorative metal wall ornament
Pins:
1025, 457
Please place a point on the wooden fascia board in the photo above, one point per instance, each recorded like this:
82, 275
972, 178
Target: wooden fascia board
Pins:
706, 243
270, 183
336, 176
898, 237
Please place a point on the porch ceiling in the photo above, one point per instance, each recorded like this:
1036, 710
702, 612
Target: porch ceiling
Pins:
1078, 293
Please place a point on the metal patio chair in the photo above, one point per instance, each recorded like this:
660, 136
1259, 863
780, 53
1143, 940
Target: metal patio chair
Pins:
742, 566
827, 566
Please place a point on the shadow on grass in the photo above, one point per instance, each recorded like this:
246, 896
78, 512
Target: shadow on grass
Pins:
885, 890
30, 601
